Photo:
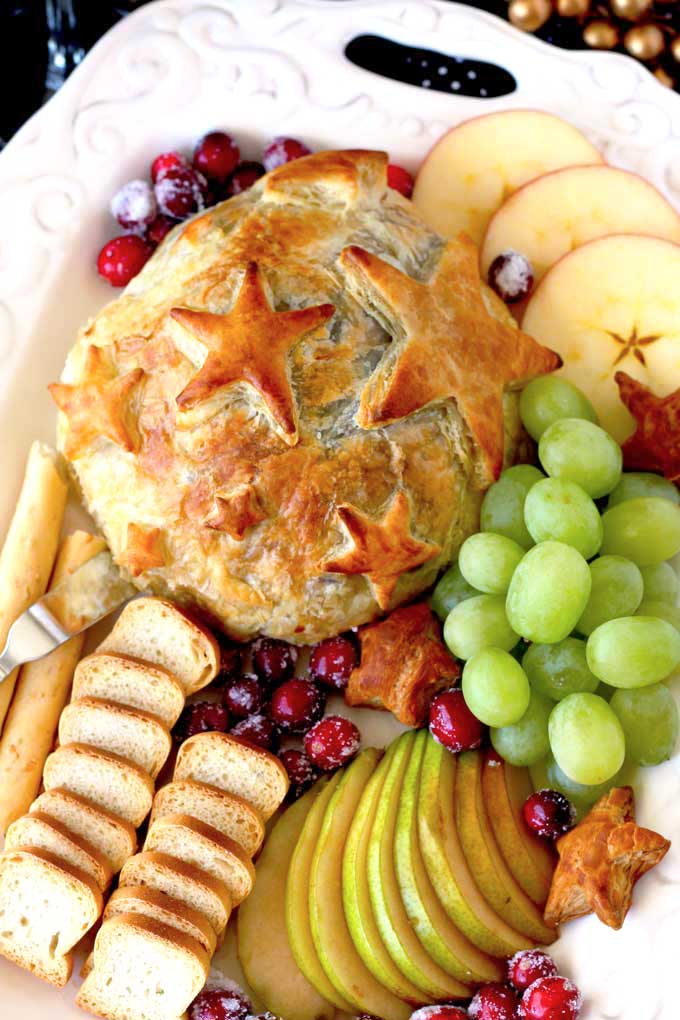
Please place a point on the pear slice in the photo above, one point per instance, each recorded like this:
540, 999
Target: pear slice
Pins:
298, 923
391, 916
335, 948
357, 897
486, 862
472, 170
263, 948
519, 788
445, 862
441, 938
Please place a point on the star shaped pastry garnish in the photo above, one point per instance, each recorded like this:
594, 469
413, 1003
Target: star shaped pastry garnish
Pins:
601, 860
445, 346
655, 444
99, 405
235, 511
249, 345
144, 549
382, 549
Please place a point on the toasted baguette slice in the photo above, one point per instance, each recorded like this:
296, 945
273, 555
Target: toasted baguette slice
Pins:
136, 899
43, 832
199, 844
161, 633
46, 906
184, 882
114, 783
134, 735
143, 970
235, 766
130, 682
115, 838
229, 814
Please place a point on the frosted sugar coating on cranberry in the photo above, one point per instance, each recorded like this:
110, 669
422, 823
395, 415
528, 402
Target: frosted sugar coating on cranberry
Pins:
332, 661
552, 998
511, 276
439, 1012
549, 814
273, 660
221, 1003
201, 717
134, 205
494, 1002
167, 161
332, 742
245, 696
300, 771
283, 150
297, 705
180, 192
259, 730
528, 966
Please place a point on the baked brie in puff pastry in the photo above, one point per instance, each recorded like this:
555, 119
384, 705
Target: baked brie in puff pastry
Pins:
289, 416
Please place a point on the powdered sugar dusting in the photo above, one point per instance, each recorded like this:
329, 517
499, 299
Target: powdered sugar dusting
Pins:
134, 205
511, 275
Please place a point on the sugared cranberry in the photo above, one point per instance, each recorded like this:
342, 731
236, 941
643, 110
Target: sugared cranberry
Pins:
167, 161
332, 742
231, 664
452, 723
552, 998
134, 205
549, 814
440, 1012
245, 696
511, 276
282, 150
122, 258
216, 155
228, 1003
300, 771
332, 661
243, 177
180, 192
297, 705
201, 717
400, 179
274, 661
528, 966
494, 1002
259, 730
158, 229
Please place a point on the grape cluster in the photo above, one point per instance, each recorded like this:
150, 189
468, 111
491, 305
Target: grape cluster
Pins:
587, 585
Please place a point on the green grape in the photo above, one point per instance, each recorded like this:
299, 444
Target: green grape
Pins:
478, 623
661, 583
645, 530
616, 591
547, 399
450, 589
560, 510
581, 796
495, 687
649, 718
560, 669
633, 651
503, 505
634, 484
583, 453
526, 741
662, 610
487, 561
586, 738
548, 592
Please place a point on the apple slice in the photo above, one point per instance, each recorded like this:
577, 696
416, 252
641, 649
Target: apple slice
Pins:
263, 948
550, 216
473, 169
612, 304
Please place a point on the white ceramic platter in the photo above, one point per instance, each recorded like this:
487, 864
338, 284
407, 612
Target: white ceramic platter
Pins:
258, 68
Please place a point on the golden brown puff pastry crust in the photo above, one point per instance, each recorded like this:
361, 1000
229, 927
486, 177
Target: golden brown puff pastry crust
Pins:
289, 416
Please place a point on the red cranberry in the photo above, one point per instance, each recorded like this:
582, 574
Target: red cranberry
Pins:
332, 661
220, 1004
549, 814
528, 966
440, 1012
274, 661
494, 1002
122, 258
259, 730
216, 155
158, 229
332, 742
300, 771
201, 717
245, 696
511, 276
552, 998
243, 177
282, 150
231, 664
134, 205
399, 179
452, 723
297, 705
180, 192
167, 161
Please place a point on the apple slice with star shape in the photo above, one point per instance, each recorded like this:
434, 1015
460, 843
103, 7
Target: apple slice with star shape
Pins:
613, 305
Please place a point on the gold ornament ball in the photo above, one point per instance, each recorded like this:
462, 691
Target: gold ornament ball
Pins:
664, 77
600, 35
675, 48
644, 42
573, 8
529, 14
631, 10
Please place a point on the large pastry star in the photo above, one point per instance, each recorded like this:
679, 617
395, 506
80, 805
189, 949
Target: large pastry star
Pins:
249, 345
445, 345
655, 444
381, 549
99, 405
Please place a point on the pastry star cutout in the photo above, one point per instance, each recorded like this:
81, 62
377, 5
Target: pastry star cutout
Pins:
382, 549
445, 345
655, 444
249, 345
99, 405
144, 549
235, 511
601, 860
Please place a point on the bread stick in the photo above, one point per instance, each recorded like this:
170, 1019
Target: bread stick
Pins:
41, 693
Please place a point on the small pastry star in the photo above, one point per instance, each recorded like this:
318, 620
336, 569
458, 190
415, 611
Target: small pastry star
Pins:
99, 405
235, 511
382, 550
249, 345
655, 444
144, 549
